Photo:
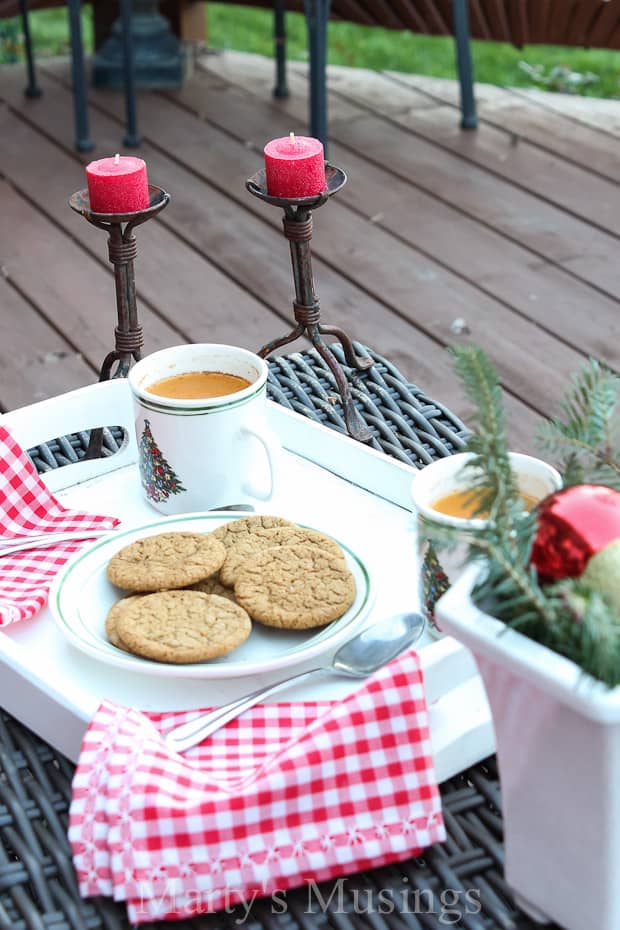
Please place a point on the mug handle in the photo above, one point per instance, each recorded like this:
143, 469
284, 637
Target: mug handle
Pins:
272, 446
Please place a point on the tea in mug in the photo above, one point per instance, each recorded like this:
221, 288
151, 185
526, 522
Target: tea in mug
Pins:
196, 385
464, 505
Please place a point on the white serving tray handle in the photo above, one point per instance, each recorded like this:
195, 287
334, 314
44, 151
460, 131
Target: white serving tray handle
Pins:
104, 404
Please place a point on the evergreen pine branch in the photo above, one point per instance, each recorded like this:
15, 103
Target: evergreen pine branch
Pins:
585, 441
492, 479
509, 587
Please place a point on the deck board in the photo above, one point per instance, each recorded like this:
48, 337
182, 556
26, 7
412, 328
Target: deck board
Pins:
480, 256
586, 146
54, 366
439, 236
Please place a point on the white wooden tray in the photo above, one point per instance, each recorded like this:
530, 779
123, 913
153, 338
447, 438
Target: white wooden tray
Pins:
329, 481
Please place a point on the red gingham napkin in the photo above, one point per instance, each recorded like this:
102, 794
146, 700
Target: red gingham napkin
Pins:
26, 507
282, 796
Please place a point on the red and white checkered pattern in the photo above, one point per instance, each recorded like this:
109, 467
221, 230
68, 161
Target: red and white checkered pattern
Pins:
285, 794
26, 506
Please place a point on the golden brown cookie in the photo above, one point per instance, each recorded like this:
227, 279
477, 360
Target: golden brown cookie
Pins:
251, 543
295, 587
213, 585
168, 560
234, 531
112, 618
183, 626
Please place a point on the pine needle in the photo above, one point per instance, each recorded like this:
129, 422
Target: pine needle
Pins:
491, 474
585, 441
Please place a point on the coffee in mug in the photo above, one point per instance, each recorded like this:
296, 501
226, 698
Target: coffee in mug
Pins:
196, 384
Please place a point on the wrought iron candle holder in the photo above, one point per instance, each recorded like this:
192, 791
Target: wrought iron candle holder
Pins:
122, 250
297, 224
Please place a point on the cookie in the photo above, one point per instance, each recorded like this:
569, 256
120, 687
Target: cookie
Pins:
111, 620
295, 587
251, 543
182, 626
213, 585
231, 533
168, 560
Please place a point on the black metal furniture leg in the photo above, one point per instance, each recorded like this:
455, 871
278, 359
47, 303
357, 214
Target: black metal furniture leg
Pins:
32, 88
317, 17
132, 137
279, 33
469, 120
83, 142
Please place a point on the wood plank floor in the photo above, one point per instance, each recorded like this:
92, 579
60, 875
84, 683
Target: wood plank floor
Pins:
505, 237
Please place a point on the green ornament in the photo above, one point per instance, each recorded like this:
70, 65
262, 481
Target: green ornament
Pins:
603, 572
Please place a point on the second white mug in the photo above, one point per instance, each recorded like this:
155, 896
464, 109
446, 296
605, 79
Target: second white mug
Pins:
442, 539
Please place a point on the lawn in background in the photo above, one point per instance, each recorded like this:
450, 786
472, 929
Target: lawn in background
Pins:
249, 29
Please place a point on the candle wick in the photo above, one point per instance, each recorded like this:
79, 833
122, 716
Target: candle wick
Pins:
117, 159
292, 138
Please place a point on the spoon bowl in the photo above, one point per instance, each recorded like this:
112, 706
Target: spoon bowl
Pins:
359, 657
363, 654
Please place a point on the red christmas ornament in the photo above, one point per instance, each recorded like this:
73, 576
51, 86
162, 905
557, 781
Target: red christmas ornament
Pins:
574, 524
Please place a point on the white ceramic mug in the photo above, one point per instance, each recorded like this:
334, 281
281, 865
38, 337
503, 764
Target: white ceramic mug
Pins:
212, 452
443, 541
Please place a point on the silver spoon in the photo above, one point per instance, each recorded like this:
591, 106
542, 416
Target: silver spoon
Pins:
357, 658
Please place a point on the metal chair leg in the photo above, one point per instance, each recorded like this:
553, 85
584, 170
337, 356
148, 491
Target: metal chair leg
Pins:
132, 137
32, 88
83, 142
469, 120
317, 16
281, 90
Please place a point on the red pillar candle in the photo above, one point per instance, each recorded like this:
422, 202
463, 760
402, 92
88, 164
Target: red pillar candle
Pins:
295, 167
118, 184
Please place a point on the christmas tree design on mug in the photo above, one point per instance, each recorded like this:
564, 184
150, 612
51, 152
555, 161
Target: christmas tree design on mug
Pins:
159, 480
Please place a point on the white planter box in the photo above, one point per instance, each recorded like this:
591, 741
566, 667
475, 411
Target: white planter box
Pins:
557, 734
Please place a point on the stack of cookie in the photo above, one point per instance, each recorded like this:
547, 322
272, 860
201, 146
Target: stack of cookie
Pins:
195, 594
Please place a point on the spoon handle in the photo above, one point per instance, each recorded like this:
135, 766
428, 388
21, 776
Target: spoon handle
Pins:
194, 731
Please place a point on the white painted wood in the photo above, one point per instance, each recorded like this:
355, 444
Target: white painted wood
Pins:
461, 733
104, 404
328, 481
374, 471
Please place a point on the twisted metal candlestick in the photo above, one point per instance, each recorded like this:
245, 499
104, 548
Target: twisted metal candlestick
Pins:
297, 223
122, 250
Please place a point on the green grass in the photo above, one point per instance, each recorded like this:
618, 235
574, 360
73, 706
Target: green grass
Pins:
249, 29
50, 34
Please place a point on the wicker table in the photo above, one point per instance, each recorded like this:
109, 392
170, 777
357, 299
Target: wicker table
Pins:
458, 883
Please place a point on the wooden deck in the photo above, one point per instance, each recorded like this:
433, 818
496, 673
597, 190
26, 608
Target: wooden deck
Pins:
507, 237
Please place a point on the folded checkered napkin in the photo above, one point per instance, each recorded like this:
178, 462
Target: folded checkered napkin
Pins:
284, 795
27, 507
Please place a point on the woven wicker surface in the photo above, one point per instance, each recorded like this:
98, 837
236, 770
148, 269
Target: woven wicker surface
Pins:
458, 883
405, 423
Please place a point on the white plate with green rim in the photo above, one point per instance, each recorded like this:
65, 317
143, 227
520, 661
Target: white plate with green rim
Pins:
81, 597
